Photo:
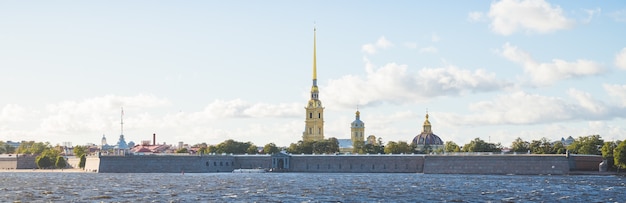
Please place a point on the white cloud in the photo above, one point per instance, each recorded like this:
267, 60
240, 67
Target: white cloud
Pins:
430, 49
523, 108
396, 84
240, 109
475, 16
620, 59
94, 114
369, 48
12, 113
548, 73
590, 14
381, 43
510, 16
616, 91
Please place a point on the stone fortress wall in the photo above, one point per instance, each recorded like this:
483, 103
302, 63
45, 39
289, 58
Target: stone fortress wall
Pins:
435, 164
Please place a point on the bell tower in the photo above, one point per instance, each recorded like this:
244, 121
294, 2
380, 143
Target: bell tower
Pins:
314, 120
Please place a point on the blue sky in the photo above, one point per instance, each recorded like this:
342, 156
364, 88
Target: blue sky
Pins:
207, 71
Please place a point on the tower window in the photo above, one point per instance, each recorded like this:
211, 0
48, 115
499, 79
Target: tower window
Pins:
310, 115
319, 115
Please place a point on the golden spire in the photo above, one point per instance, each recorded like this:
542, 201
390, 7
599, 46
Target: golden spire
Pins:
314, 59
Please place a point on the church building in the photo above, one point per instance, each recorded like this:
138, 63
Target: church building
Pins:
357, 129
314, 122
427, 139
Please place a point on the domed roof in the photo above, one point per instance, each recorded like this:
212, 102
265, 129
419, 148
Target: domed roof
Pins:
357, 121
427, 139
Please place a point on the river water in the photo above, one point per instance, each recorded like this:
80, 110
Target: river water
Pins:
306, 187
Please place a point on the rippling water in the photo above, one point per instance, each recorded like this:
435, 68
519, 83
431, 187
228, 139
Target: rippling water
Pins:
306, 187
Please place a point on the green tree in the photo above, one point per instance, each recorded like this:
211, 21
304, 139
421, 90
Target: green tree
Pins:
270, 148
252, 149
391, 147
43, 162
232, 146
83, 160
619, 155
558, 148
607, 153
587, 145
182, 150
79, 150
478, 145
451, 146
358, 147
211, 149
60, 163
520, 145
397, 147
541, 146
32, 147
373, 149
328, 146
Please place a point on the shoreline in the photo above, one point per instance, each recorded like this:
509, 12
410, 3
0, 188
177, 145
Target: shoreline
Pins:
67, 170
73, 170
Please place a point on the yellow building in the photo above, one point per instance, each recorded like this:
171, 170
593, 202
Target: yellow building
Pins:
357, 129
314, 122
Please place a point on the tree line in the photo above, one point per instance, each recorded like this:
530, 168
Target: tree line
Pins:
614, 151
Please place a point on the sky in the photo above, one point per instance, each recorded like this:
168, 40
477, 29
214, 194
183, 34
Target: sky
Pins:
208, 71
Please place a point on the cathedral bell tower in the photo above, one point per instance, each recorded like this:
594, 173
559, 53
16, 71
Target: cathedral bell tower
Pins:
314, 121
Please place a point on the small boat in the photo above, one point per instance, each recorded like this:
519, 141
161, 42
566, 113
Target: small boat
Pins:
250, 170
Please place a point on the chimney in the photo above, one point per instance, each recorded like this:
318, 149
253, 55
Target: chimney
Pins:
154, 139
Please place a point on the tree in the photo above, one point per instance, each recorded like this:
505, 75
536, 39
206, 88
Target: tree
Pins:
79, 150
6, 148
43, 162
329, 146
397, 147
607, 153
32, 147
358, 147
520, 145
587, 145
83, 159
252, 149
541, 146
619, 155
232, 146
558, 148
450, 146
270, 148
60, 163
182, 150
478, 145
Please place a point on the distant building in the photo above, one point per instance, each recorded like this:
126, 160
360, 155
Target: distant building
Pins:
568, 141
371, 140
427, 138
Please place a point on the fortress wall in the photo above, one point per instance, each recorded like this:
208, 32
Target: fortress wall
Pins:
72, 162
26, 162
163, 164
7, 162
497, 164
585, 162
253, 161
92, 163
357, 164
